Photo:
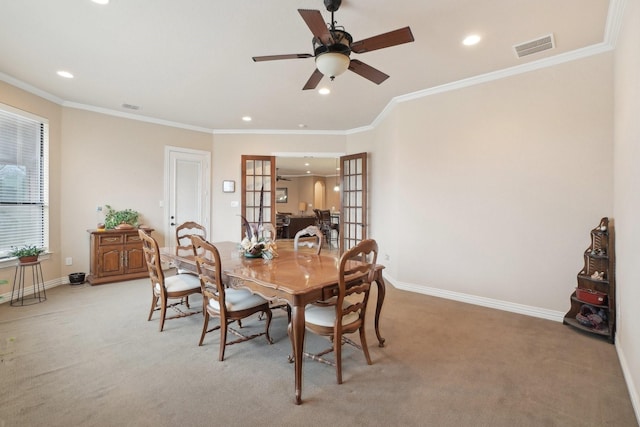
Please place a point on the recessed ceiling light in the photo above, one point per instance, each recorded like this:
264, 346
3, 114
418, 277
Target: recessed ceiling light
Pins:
306, 164
65, 74
324, 91
471, 40
101, 1
302, 126
246, 119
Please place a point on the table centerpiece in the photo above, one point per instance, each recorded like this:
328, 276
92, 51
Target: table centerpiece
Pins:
254, 245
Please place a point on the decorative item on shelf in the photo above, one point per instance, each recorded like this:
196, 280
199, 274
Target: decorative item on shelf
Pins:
26, 254
590, 296
591, 318
598, 275
100, 227
254, 245
120, 220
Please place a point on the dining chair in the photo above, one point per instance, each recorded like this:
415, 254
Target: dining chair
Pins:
347, 314
183, 242
268, 231
165, 288
327, 227
316, 242
227, 304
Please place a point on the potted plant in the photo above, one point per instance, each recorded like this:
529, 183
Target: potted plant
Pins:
127, 218
27, 253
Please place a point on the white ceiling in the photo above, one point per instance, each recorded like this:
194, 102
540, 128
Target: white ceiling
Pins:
189, 62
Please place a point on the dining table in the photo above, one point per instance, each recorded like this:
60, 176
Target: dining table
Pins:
295, 277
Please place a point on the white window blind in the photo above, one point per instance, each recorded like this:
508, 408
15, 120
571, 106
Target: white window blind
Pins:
24, 211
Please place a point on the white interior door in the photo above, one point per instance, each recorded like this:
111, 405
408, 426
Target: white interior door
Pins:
187, 189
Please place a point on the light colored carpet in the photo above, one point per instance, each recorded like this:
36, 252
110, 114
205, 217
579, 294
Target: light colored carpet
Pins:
88, 357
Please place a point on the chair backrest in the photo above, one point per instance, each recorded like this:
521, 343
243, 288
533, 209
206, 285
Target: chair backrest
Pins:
312, 231
209, 269
268, 231
356, 272
183, 232
325, 216
318, 217
152, 256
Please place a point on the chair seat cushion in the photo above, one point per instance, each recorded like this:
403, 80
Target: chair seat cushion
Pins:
180, 283
326, 316
238, 299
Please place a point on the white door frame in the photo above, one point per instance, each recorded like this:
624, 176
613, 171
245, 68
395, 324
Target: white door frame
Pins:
205, 158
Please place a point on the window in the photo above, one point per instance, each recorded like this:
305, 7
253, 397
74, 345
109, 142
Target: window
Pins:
24, 210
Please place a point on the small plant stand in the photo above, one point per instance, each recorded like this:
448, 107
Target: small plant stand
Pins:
38, 294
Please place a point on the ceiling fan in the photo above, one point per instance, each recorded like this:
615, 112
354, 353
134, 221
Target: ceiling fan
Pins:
280, 177
332, 46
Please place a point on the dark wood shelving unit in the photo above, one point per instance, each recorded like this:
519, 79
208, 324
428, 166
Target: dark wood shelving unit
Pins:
598, 275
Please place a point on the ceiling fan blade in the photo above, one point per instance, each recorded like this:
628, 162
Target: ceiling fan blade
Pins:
315, 22
392, 38
313, 80
276, 57
367, 71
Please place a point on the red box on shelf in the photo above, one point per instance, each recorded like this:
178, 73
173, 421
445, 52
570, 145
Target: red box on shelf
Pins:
591, 297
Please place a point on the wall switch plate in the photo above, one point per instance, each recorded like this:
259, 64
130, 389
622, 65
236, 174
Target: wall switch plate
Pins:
68, 261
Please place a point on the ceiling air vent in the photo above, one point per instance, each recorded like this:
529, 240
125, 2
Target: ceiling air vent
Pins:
533, 46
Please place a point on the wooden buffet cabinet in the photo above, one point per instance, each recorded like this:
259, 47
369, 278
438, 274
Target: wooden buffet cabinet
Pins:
116, 255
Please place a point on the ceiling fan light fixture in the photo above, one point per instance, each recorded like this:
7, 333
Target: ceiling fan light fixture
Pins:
332, 64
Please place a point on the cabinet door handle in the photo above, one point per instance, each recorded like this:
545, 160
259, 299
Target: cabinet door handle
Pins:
126, 258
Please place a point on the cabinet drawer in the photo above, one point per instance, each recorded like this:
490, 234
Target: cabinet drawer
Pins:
110, 239
132, 238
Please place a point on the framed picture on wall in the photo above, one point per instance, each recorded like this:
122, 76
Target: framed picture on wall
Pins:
281, 195
228, 186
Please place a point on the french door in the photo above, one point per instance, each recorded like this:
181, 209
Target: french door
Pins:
353, 192
259, 181
258, 189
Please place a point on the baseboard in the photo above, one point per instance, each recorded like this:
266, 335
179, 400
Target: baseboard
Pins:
631, 387
527, 310
6, 297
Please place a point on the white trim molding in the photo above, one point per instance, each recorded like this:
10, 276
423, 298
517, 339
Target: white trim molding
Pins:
527, 310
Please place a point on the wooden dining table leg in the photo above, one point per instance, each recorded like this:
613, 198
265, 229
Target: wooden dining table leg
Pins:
297, 343
382, 288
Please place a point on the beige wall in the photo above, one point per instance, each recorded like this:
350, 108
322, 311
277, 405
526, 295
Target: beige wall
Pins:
114, 161
493, 189
627, 196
